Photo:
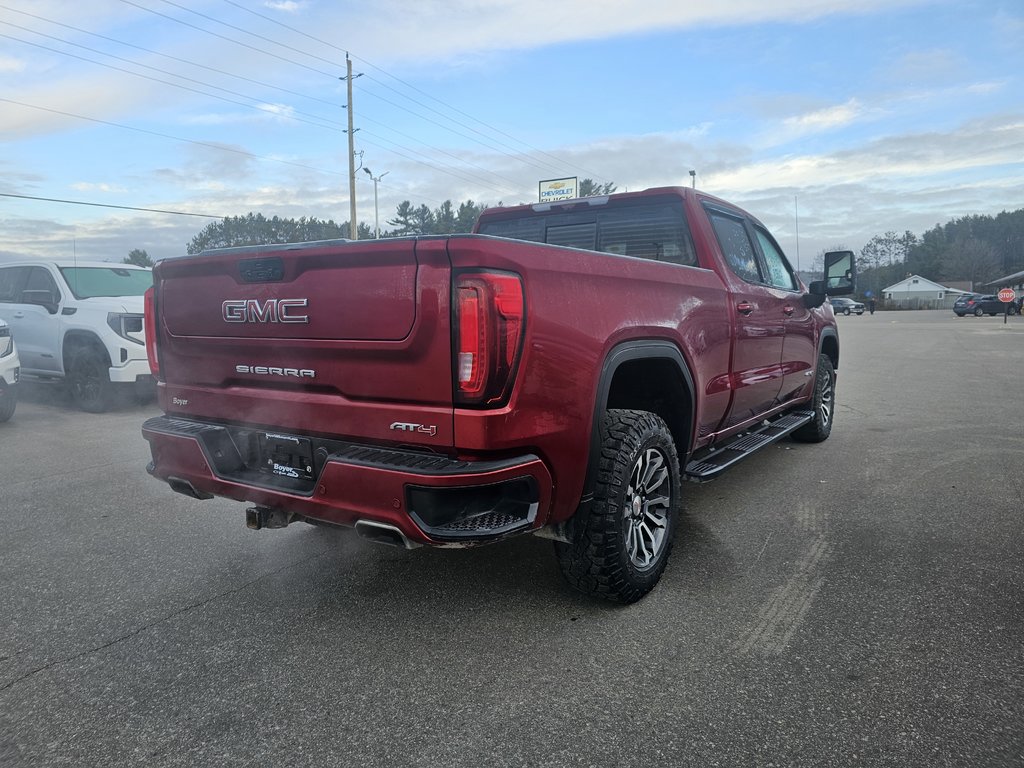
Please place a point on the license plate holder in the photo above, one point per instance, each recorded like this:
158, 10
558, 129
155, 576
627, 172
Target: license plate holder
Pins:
286, 456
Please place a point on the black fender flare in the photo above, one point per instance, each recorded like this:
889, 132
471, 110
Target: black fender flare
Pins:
833, 334
629, 351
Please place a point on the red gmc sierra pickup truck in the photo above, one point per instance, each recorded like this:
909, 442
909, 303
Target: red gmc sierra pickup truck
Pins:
559, 371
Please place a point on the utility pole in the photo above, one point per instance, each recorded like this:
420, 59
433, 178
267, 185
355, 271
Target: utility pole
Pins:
376, 219
353, 226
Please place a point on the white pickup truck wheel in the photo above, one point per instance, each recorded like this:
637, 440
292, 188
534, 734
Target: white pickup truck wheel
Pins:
89, 381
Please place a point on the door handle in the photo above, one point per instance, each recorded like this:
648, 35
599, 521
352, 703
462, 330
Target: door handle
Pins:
744, 307
788, 310
18, 314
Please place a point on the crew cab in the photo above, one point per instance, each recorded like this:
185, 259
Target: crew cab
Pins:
79, 322
559, 371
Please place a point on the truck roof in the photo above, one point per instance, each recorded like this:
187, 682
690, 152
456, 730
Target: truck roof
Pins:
541, 208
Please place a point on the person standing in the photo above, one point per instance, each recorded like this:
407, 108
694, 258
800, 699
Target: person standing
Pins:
871, 305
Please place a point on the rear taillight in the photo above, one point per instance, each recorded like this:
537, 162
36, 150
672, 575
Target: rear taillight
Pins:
490, 313
150, 322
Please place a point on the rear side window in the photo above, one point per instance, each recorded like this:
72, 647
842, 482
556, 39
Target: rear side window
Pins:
11, 281
736, 246
654, 229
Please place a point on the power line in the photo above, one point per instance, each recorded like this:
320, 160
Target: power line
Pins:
210, 85
411, 87
209, 145
232, 150
228, 39
259, 107
108, 205
166, 56
520, 158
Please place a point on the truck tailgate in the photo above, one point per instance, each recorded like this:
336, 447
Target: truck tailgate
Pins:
334, 338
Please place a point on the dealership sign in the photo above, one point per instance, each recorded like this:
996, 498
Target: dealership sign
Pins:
558, 189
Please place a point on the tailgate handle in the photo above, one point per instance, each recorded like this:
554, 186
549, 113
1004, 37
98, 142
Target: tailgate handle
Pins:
267, 270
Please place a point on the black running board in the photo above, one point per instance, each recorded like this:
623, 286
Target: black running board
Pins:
709, 463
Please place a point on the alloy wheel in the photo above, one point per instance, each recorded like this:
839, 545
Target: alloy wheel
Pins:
645, 509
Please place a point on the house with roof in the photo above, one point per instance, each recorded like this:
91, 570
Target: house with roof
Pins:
916, 292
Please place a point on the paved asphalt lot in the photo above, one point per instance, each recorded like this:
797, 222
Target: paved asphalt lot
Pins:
859, 602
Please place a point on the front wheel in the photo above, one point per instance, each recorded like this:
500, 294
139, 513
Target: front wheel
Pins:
620, 544
820, 427
89, 381
8, 402
846, 311
979, 312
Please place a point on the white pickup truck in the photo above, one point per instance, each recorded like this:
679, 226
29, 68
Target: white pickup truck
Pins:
81, 322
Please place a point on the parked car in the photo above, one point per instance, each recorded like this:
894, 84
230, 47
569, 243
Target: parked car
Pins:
845, 306
557, 372
978, 305
8, 372
80, 322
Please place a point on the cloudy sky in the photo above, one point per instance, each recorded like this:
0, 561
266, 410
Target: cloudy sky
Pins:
834, 119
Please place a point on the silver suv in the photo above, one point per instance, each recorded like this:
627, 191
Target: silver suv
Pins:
81, 322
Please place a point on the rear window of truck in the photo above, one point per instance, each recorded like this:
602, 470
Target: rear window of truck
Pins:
651, 229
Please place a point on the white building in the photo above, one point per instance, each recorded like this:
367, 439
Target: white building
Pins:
916, 292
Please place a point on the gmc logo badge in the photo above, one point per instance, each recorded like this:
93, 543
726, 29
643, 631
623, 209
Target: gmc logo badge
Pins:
269, 311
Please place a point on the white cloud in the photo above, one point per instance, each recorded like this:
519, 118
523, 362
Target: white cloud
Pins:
9, 64
88, 186
825, 119
468, 26
285, 6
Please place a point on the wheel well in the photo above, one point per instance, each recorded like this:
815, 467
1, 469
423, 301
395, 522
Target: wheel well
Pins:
656, 385
74, 341
830, 347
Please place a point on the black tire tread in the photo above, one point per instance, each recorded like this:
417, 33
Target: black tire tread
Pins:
815, 431
595, 563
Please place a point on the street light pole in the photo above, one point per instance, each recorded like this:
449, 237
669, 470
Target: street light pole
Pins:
376, 218
693, 179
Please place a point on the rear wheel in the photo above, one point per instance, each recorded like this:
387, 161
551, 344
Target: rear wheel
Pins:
820, 427
621, 542
89, 381
979, 312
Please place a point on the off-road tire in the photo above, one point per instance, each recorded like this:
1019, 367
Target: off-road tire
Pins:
89, 381
824, 404
610, 535
8, 403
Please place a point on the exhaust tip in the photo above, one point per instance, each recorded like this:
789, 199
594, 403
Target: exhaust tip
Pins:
382, 533
186, 488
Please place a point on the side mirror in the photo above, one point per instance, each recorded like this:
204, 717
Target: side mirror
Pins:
840, 273
840, 279
42, 298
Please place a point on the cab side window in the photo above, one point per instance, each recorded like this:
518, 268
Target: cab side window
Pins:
736, 246
11, 281
39, 280
779, 273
